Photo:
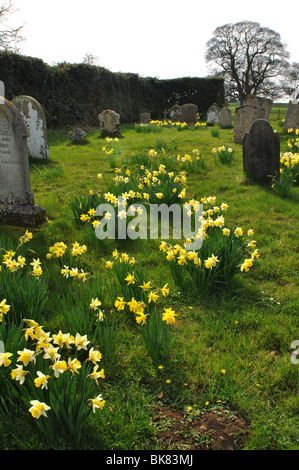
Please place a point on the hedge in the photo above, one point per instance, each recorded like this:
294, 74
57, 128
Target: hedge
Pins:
74, 94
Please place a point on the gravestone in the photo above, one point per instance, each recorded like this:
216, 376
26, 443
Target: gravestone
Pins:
16, 198
109, 123
175, 113
189, 113
212, 114
261, 152
260, 102
77, 135
145, 118
292, 116
245, 116
35, 119
225, 118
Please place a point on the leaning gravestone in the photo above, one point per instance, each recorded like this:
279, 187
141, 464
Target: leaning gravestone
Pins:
109, 123
212, 114
292, 116
225, 118
189, 113
16, 198
245, 116
261, 152
145, 118
260, 102
35, 119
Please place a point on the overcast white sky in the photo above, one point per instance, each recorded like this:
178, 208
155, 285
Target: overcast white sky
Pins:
155, 38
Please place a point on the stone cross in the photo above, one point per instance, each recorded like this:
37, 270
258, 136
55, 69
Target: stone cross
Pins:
17, 205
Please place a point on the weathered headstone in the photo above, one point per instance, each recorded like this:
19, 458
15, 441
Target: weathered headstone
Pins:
261, 152
17, 205
77, 135
292, 116
225, 118
245, 116
175, 113
109, 122
189, 113
35, 119
212, 114
260, 102
145, 118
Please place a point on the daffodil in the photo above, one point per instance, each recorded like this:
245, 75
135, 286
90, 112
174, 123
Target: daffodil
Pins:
95, 304
4, 308
146, 285
168, 316
19, 374
153, 297
97, 403
119, 303
38, 409
81, 342
4, 359
94, 356
165, 290
59, 367
246, 265
130, 279
74, 365
141, 318
51, 353
41, 380
95, 375
26, 356
238, 232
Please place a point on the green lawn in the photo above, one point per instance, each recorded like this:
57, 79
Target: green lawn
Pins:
232, 351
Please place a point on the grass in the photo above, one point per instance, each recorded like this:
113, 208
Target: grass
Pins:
231, 351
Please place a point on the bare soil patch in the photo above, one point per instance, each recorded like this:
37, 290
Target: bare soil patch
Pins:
211, 430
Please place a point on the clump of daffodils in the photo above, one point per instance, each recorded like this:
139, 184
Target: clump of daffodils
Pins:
224, 252
224, 154
48, 363
16, 262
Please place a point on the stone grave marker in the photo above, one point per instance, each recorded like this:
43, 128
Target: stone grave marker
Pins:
225, 118
175, 113
35, 119
292, 116
17, 205
109, 123
145, 118
260, 102
212, 114
77, 135
189, 113
245, 116
261, 152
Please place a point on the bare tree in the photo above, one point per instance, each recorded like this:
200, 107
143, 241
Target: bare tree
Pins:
249, 57
90, 59
9, 37
290, 83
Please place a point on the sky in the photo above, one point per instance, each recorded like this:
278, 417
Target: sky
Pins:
154, 38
